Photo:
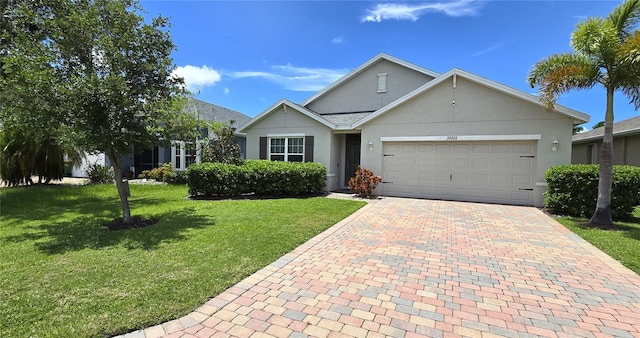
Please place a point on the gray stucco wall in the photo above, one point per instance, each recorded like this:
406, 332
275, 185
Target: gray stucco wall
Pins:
579, 153
632, 150
478, 110
360, 93
626, 150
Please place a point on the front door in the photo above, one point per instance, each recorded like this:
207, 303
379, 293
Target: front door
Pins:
352, 156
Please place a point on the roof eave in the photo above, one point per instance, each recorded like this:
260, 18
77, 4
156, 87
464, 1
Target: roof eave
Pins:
599, 136
578, 117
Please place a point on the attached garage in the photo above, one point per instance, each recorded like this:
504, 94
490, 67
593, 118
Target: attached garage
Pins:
481, 171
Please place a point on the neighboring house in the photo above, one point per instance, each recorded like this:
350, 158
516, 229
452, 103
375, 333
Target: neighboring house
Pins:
452, 136
626, 144
181, 153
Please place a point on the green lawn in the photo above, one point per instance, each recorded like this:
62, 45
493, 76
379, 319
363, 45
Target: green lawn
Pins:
62, 274
623, 243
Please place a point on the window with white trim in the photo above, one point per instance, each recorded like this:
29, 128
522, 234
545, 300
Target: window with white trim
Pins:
289, 149
184, 154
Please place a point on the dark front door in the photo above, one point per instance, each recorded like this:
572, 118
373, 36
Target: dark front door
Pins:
352, 156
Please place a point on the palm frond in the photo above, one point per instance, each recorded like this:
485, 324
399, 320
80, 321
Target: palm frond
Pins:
625, 17
628, 71
596, 39
630, 51
561, 73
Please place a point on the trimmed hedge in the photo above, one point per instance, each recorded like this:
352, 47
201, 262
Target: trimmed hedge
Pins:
573, 190
264, 178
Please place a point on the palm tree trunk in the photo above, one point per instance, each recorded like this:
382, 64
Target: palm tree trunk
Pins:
124, 198
602, 214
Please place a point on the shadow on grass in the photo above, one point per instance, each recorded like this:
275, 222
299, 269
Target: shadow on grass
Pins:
42, 203
629, 228
88, 232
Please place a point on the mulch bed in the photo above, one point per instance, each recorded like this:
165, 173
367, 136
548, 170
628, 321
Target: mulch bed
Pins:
137, 223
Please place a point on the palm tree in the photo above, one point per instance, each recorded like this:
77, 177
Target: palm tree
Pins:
22, 156
606, 51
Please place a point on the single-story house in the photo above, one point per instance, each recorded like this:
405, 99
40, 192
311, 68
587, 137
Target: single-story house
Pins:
181, 153
626, 144
454, 136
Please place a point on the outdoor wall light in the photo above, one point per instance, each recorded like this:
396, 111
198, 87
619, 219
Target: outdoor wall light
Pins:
554, 145
370, 145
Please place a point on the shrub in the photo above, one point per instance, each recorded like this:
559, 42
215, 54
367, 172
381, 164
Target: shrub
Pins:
98, 173
573, 190
175, 177
364, 182
157, 174
145, 174
264, 178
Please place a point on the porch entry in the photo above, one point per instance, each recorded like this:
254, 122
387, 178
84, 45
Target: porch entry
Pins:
352, 156
147, 160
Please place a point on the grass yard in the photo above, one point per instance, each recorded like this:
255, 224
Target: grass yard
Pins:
623, 244
62, 274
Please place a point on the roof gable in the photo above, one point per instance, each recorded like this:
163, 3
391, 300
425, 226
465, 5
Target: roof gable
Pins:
286, 103
363, 67
577, 116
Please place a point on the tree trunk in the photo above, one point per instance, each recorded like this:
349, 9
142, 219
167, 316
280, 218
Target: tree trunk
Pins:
602, 214
124, 199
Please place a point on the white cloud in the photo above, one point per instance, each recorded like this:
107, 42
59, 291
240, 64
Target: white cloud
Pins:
197, 77
295, 78
487, 50
226, 91
338, 39
396, 11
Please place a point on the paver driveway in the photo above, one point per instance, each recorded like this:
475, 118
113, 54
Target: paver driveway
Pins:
406, 267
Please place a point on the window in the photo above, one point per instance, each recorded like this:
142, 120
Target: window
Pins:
382, 83
190, 154
184, 154
177, 157
290, 149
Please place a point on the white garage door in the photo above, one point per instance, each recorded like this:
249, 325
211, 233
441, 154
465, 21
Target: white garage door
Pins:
496, 171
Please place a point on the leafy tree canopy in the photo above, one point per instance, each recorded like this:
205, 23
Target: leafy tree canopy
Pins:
98, 69
222, 147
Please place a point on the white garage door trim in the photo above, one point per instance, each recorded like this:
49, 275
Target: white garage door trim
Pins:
529, 137
495, 171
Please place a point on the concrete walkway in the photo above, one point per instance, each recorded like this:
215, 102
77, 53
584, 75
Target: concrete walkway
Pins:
409, 268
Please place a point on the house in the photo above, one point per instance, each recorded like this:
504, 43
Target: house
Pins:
453, 136
626, 144
181, 153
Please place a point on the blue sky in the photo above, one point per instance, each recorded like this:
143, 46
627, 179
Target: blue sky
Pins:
246, 55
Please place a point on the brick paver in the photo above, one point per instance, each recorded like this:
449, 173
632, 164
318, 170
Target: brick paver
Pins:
408, 267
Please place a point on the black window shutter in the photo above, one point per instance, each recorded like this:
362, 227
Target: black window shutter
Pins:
263, 148
308, 149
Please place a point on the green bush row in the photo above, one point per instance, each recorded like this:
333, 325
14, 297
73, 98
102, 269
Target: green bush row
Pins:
264, 178
573, 190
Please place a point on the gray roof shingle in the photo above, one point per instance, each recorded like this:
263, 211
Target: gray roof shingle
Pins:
623, 127
211, 112
345, 119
